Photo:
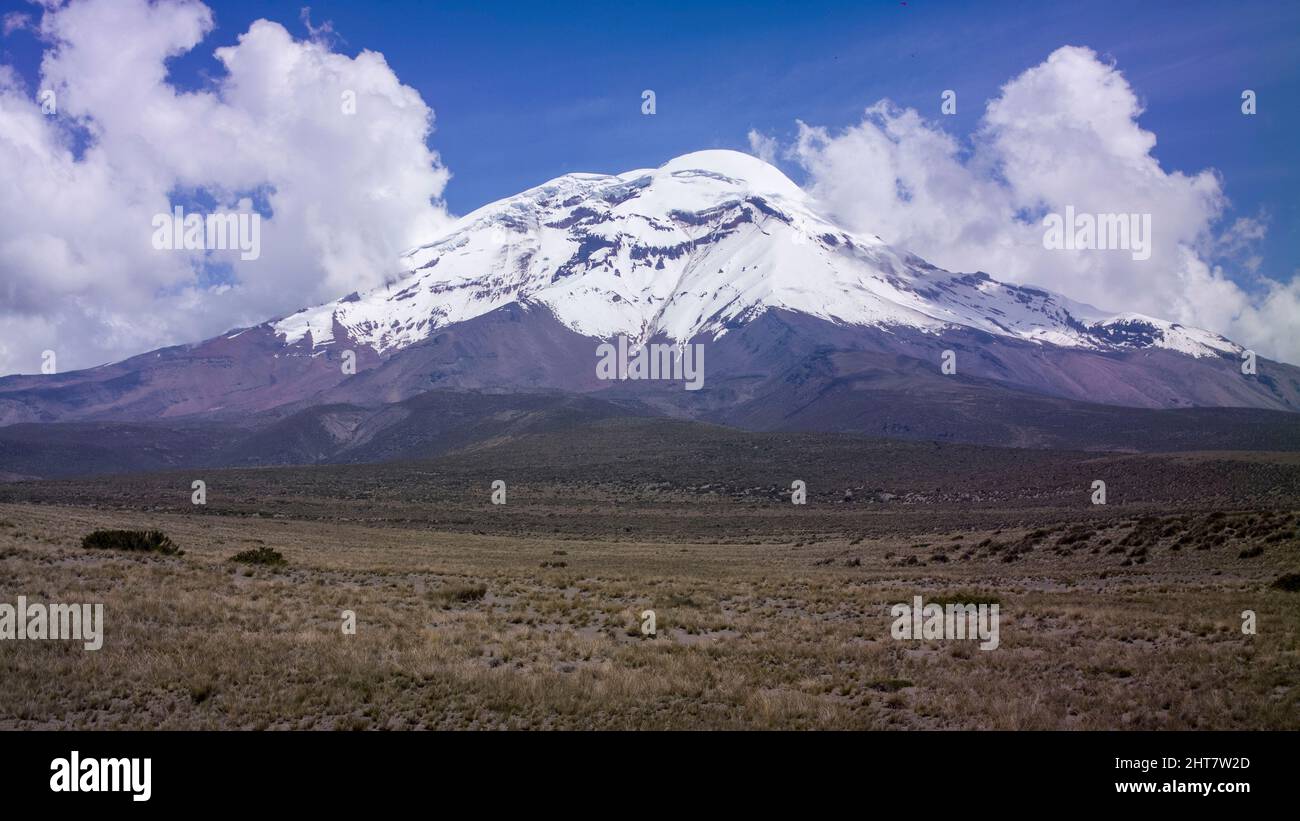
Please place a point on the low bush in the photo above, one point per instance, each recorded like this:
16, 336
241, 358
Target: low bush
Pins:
147, 541
458, 593
259, 555
1289, 582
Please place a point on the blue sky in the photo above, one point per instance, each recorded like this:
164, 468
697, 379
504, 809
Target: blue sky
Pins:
527, 91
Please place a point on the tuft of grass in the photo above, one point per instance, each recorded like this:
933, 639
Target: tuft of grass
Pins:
201, 692
259, 555
147, 541
963, 597
1117, 672
889, 685
458, 593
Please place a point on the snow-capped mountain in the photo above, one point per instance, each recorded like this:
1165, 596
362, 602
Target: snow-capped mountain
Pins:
807, 326
707, 241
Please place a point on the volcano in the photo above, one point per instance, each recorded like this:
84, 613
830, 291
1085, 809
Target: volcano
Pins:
805, 326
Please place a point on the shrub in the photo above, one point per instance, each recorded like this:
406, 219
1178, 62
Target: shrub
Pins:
1251, 553
1289, 582
148, 541
259, 555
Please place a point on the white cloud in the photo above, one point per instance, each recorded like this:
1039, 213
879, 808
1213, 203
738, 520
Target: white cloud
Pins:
763, 146
1063, 133
14, 21
346, 193
78, 274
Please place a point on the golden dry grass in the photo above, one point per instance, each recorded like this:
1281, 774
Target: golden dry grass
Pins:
471, 631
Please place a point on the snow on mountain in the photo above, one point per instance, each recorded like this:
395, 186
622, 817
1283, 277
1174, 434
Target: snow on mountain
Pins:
707, 241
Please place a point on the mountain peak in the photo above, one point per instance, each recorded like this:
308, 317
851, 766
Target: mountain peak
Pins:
704, 243
734, 168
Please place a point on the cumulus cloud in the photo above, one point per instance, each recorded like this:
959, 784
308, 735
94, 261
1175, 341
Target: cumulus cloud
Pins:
1063, 133
341, 194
